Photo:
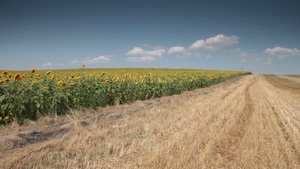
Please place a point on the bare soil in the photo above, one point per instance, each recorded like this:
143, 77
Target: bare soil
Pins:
246, 122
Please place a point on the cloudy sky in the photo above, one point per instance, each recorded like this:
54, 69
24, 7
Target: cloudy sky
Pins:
260, 36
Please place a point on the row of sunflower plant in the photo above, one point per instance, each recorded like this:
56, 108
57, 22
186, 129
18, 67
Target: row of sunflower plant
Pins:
33, 95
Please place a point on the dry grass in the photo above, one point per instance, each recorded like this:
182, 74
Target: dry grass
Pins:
243, 123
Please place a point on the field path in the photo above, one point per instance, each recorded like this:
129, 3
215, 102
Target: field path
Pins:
251, 121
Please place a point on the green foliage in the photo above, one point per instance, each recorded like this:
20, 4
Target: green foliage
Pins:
36, 95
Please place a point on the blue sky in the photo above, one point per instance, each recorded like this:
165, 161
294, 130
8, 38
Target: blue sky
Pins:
261, 36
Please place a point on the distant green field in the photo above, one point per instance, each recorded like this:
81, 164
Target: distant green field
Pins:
113, 71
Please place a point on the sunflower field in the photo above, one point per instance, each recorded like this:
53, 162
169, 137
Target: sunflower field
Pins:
33, 94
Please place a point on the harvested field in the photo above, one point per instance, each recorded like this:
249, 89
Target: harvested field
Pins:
246, 122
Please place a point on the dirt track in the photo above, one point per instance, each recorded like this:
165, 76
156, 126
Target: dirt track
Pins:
246, 122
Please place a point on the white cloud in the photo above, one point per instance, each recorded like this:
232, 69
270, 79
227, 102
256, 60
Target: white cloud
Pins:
243, 60
46, 64
239, 53
179, 51
100, 59
208, 56
136, 51
215, 43
87, 60
151, 46
52, 66
141, 55
282, 52
176, 49
141, 59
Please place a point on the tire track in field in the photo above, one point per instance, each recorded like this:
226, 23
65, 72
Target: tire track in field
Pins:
228, 146
230, 92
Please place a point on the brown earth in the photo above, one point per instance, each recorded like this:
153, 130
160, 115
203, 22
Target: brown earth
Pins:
247, 122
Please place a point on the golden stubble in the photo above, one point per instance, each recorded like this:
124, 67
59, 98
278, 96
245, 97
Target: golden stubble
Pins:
242, 123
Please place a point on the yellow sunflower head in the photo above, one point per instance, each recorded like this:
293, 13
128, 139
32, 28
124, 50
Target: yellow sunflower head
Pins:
18, 77
32, 84
59, 83
45, 89
64, 84
72, 84
33, 70
52, 77
48, 73
5, 73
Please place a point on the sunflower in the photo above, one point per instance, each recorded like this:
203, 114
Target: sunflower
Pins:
33, 70
124, 80
83, 65
6, 80
23, 88
6, 117
0, 76
59, 83
9, 76
72, 77
59, 88
64, 84
48, 73
72, 84
2, 81
52, 77
103, 73
5, 73
38, 76
45, 89
32, 84
18, 77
